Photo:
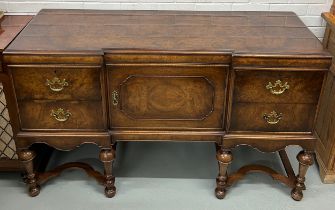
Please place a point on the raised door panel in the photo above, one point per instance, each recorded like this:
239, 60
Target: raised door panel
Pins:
179, 97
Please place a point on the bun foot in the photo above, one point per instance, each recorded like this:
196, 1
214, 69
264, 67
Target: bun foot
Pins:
220, 193
296, 195
33, 192
110, 193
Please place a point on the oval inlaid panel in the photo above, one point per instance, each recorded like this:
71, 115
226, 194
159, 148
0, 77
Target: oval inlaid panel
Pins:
167, 97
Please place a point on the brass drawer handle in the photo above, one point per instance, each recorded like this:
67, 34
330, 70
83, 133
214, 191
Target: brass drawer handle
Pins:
273, 118
278, 87
60, 114
115, 98
56, 84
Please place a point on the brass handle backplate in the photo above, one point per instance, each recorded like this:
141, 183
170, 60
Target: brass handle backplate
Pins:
115, 98
56, 84
273, 118
60, 114
278, 87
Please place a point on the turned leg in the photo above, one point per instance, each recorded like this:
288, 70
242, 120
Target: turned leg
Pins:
305, 160
27, 157
107, 156
224, 158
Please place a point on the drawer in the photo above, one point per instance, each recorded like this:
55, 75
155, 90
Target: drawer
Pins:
277, 87
272, 117
166, 97
56, 83
61, 115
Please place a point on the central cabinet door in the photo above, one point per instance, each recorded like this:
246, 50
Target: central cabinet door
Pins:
167, 96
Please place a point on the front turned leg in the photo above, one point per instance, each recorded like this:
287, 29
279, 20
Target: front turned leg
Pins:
305, 160
27, 158
107, 156
224, 158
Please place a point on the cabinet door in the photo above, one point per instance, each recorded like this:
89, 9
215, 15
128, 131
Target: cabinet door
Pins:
167, 96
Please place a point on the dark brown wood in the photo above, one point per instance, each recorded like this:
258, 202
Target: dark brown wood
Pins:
250, 117
108, 157
305, 160
235, 177
168, 76
10, 26
304, 86
163, 96
325, 130
258, 32
107, 180
10, 165
27, 157
83, 83
36, 114
44, 177
295, 182
224, 158
64, 141
286, 162
44, 154
269, 141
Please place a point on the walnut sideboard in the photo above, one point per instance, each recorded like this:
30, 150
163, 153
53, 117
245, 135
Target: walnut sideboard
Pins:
231, 78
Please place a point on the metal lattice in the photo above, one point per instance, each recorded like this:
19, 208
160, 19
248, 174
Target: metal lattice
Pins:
7, 144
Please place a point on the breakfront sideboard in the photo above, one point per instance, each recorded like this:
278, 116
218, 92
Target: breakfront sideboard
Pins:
231, 78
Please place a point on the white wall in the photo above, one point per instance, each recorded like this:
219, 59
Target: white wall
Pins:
308, 10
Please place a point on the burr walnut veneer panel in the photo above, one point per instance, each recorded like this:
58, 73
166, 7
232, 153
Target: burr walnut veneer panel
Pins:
168, 96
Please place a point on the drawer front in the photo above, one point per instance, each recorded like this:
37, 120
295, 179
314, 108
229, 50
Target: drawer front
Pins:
272, 117
277, 87
167, 96
61, 115
57, 83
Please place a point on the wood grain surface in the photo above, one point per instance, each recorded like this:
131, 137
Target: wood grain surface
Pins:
242, 32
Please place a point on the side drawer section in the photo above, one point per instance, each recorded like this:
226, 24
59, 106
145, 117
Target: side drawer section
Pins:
272, 99
58, 92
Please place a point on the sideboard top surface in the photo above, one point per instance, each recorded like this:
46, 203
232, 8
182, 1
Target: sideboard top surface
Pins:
92, 31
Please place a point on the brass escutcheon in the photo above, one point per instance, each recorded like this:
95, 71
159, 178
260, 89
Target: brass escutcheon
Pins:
56, 84
60, 114
273, 118
278, 87
115, 98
